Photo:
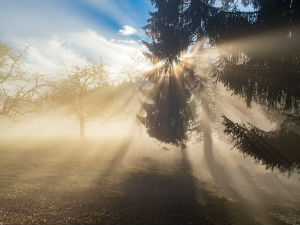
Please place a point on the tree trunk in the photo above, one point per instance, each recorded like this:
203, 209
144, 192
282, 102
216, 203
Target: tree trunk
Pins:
81, 117
82, 127
208, 148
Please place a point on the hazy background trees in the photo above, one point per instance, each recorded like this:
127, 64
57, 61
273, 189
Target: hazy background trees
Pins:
73, 89
83, 90
19, 88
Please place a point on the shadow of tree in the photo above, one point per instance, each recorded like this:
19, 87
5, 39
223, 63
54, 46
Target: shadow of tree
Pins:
153, 196
148, 192
117, 159
224, 180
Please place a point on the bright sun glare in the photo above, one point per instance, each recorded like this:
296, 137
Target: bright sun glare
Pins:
149, 112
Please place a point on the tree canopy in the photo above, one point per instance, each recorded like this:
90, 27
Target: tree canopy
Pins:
259, 60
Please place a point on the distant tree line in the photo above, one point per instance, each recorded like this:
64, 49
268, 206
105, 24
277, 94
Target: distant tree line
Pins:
82, 90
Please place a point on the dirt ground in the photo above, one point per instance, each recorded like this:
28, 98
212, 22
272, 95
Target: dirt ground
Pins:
131, 182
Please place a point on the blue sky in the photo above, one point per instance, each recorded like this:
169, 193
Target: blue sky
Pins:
76, 30
38, 18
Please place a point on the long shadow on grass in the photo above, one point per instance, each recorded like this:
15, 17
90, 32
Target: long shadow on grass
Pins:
224, 182
116, 162
150, 194
218, 172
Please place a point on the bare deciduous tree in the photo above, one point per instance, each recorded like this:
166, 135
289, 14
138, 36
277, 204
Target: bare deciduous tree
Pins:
74, 88
18, 89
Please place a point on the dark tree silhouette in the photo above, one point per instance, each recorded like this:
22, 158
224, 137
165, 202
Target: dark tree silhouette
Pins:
275, 149
168, 30
168, 105
173, 28
262, 64
168, 115
259, 61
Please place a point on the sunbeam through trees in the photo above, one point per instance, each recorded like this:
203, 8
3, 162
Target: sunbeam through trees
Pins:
150, 112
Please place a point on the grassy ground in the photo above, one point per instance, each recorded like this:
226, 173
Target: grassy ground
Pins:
59, 181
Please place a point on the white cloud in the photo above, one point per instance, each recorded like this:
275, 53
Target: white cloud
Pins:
48, 56
128, 30
45, 55
58, 32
